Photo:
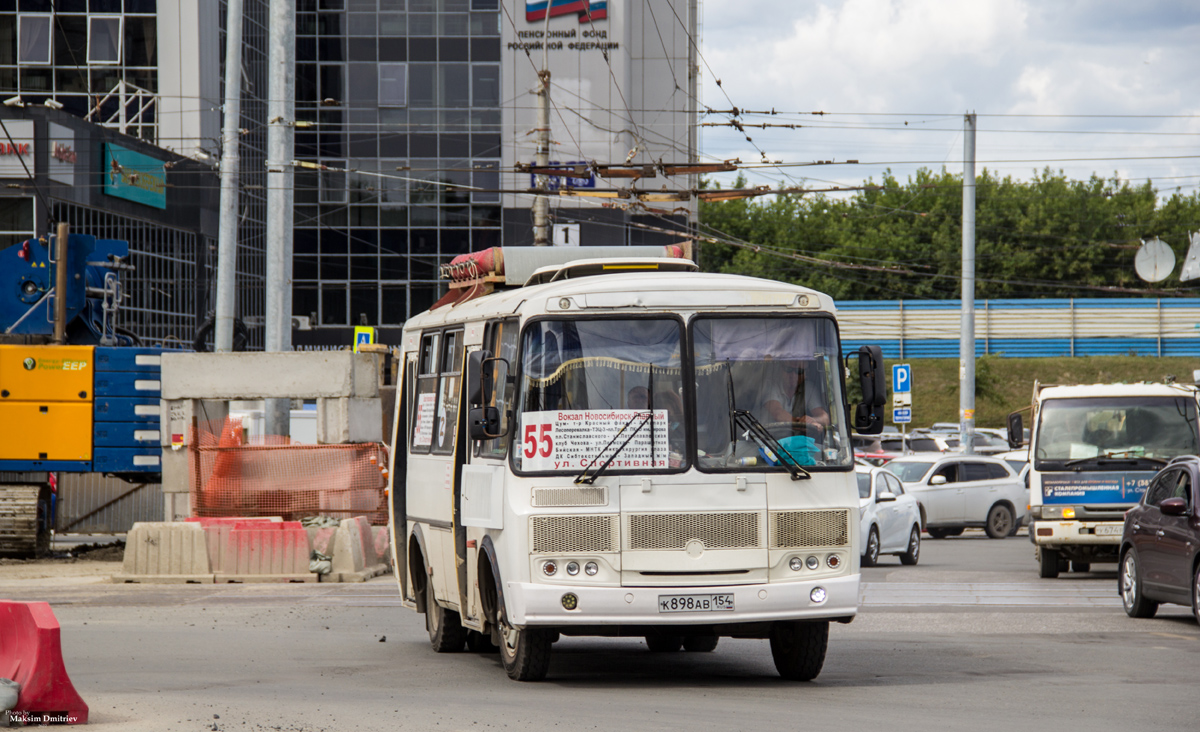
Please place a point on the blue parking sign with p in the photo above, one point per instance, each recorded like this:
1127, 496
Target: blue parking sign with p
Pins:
901, 378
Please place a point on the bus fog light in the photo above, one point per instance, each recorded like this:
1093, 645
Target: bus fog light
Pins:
834, 561
812, 562
550, 568
570, 601
818, 595
591, 568
796, 564
572, 568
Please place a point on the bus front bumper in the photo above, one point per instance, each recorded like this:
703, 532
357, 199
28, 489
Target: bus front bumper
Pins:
542, 604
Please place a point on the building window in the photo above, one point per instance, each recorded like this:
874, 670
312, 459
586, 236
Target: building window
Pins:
485, 85
104, 40
34, 41
393, 85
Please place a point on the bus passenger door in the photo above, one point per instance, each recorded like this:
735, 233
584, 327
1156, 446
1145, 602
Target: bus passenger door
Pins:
480, 501
432, 462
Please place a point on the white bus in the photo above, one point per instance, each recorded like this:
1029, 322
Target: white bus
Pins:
626, 447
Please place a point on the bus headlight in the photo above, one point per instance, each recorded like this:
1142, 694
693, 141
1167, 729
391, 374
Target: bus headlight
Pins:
796, 564
572, 568
812, 562
591, 568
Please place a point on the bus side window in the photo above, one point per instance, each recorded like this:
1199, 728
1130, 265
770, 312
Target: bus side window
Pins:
446, 420
424, 405
501, 340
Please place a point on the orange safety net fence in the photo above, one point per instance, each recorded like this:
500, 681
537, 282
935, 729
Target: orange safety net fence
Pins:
270, 476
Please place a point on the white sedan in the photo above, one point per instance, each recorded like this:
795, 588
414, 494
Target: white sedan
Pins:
960, 491
890, 519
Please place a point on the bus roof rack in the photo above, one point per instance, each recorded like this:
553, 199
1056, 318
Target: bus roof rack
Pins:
478, 273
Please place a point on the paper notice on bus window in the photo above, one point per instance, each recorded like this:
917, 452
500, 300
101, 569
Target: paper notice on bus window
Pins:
574, 439
423, 434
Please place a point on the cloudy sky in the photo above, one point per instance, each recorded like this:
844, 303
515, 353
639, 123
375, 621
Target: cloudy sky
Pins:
1101, 86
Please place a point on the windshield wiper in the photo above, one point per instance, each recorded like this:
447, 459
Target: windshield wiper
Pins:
1115, 455
748, 422
645, 417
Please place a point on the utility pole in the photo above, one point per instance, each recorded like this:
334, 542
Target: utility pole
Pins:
966, 348
281, 115
541, 202
230, 168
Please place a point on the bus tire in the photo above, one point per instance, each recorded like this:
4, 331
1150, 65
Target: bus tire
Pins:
664, 643
700, 643
446, 634
798, 648
525, 652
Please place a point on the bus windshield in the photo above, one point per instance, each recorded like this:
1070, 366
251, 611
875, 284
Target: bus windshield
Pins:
597, 389
1074, 432
781, 372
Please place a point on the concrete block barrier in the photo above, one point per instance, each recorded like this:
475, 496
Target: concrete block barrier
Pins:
166, 552
31, 655
355, 554
218, 529
261, 551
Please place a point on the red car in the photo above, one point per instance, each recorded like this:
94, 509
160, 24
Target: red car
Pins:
1160, 547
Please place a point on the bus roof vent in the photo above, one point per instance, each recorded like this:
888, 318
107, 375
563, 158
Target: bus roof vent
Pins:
477, 274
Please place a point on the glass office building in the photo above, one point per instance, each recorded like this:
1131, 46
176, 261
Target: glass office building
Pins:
415, 111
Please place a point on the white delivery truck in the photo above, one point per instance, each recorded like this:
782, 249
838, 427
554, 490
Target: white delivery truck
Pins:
1093, 451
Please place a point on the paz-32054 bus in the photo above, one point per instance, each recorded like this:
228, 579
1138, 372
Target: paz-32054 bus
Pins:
624, 446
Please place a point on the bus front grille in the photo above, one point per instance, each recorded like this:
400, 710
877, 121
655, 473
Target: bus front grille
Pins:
559, 534
804, 529
649, 531
582, 496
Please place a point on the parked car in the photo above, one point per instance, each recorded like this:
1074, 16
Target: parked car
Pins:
890, 518
961, 491
1160, 546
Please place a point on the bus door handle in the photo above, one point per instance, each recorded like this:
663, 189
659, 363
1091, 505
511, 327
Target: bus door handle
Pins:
1137, 527
1159, 534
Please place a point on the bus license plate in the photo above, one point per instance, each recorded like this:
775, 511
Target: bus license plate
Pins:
1109, 530
695, 603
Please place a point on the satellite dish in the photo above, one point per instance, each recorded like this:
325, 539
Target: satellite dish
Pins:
1154, 261
1191, 263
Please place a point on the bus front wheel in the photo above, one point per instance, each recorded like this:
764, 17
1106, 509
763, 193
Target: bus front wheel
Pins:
525, 652
798, 648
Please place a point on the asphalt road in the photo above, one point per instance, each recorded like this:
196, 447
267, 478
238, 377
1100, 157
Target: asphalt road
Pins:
970, 638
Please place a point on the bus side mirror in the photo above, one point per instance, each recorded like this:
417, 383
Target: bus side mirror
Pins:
870, 376
484, 423
479, 387
1016, 431
868, 420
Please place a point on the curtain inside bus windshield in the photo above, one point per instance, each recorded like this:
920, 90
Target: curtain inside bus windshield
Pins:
783, 373
598, 389
1153, 427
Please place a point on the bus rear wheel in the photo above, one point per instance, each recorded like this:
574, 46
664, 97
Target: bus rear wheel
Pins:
798, 648
446, 633
525, 652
